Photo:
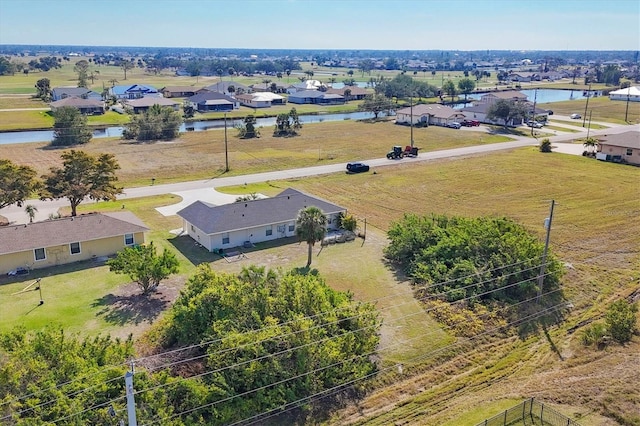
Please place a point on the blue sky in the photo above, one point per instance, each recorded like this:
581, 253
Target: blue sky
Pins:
327, 24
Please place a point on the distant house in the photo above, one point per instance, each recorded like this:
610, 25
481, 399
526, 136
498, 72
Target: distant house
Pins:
223, 87
59, 93
261, 100
178, 91
207, 101
632, 94
304, 86
71, 239
86, 106
509, 95
354, 92
254, 221
524, 77
142, 104
620, 148
428, 114
315, 97
479, 112
133, 91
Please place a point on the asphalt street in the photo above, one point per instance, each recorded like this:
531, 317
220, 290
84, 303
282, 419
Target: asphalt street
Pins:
204, 189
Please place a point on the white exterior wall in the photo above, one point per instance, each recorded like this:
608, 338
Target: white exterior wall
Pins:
632, 98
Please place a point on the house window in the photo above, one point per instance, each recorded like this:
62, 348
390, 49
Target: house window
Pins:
225, 238
128, 239
39, 254
74, 248
269, 231
629, 151
291, 228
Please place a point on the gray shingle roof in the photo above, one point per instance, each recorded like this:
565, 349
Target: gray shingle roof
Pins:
250, 214
624, 140
77, 102
68, 230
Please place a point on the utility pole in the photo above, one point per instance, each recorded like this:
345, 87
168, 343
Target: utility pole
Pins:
589, 127
533, 113
547, 224
626, 112
411, 119
226, 152
131, 403
584, 117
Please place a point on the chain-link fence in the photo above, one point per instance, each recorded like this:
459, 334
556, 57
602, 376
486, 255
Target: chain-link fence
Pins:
529, 412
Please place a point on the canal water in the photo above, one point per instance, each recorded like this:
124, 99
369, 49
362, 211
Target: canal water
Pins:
195, 126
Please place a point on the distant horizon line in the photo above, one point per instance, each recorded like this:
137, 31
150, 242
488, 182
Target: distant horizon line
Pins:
315, 49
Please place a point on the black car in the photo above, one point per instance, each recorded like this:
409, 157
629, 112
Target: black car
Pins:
357, 168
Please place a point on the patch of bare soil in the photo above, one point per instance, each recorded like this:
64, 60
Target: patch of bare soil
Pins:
134, 312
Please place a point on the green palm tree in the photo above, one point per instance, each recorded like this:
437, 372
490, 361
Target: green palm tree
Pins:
31, 211
590, 144
311, 227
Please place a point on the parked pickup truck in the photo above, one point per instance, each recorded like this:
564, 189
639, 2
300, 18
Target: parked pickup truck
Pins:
470, 123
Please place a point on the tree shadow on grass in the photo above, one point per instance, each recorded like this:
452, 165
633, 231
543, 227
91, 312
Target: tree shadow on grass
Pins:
131, 309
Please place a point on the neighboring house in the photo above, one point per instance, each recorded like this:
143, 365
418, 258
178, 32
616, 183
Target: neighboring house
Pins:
355, 92
260, 87
143, 104
178, 91
524, 77
223, 87
86, 106
304, 86
428, 114
133, 91
265, 219
261, 100
479, 112
632, 94
509, 95
70, 239
315, 97
206, 101
59, 93
620, 148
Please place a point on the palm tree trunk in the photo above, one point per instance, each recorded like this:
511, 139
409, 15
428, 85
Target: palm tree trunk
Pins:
310, 252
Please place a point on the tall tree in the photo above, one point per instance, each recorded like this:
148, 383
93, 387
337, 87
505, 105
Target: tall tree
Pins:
43, 89
466, 86
82, 176
145, 266
126, 66
507, 111
70, 127
450, 89
376, 104
82, 68
156, 123
311, 227
287, 124
17, 183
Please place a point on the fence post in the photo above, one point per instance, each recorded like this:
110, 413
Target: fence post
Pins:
541, 413
531, 407
505, 418
524, 407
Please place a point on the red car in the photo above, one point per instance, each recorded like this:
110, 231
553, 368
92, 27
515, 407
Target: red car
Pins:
470, 123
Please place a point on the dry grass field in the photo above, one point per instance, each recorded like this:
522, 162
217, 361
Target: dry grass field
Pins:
200, 155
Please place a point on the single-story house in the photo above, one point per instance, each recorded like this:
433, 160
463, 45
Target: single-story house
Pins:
524, 77
315, 97
70, 239
479, 112
304, 86
59, 93
277, 88
254, 221
352, 92
261, 99
223, 87
632, 94
133, 91
206, 101
428, 114
509, 95
178, 91
620, 148
142, 104
86, 106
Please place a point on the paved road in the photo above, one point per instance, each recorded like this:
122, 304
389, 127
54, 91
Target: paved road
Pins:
190, 189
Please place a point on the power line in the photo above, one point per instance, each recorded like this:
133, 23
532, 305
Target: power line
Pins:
288, 334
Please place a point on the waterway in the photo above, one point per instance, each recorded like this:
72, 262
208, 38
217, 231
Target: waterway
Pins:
194, 126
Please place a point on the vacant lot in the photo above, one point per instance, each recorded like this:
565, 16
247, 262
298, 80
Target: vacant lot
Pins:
200, 155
